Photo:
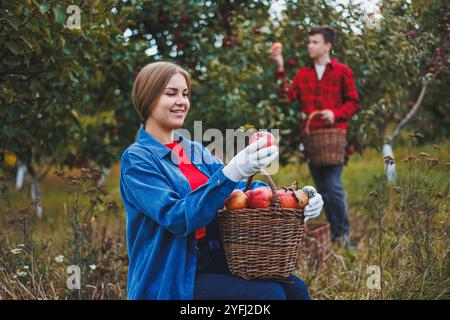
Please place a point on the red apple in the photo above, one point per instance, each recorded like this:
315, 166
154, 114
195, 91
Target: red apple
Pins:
259, 197
163, 18
350, 150
302, 198
271, 141
181, 46
292, 62
276, 45
185, 19
410, 104
237, 200
79, 162
287, 199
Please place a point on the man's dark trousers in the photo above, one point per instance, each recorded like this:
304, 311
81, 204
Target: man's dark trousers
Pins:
329, 185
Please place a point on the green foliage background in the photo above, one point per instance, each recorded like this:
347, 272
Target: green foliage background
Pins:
65, 93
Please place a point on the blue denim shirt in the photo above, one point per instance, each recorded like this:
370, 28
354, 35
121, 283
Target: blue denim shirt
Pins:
162, 214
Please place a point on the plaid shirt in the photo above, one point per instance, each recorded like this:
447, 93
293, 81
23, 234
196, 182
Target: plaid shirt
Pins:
336, 91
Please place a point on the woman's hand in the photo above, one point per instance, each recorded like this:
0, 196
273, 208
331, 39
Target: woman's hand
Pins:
250, 160
314, 207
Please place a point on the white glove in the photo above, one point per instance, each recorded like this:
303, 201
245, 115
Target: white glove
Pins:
314, 207
250, 160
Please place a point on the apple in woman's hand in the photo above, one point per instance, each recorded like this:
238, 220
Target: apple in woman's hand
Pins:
271, 141
259, 197
237, 200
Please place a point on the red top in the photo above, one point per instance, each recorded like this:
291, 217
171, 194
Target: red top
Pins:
195, 177
336, 91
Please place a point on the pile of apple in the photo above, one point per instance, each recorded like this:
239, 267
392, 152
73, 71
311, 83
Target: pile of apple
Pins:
260, 197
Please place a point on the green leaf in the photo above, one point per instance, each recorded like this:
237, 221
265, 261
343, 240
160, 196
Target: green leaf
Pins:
14, 22
60, 15
14, 47
32, 43
10, 132
44, 7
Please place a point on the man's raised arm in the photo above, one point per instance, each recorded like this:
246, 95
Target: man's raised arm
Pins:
287, 89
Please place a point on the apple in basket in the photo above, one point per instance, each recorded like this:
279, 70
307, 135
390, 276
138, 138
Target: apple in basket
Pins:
259, 197
237, 200
302, 198
287, 198
271, 141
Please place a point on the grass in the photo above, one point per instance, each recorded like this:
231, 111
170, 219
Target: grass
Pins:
395, 231
402, 230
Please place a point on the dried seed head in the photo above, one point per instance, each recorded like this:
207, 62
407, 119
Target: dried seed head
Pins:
59, 173
433, 162
112, 204
374, 194
35, 202
389, 160
397, 189
439, 195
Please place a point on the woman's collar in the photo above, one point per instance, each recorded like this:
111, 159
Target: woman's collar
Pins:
146, 139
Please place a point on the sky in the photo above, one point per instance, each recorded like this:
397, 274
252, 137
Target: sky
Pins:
369, 5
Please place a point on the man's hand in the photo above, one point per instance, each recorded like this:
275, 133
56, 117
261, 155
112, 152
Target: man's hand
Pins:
276, 54
327, 116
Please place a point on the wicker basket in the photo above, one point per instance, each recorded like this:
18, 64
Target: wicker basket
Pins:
262, 243
316, 246
324, 147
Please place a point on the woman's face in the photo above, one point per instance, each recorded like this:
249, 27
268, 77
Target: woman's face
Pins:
173, 105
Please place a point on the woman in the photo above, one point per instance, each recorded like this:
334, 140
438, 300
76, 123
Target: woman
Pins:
171, 202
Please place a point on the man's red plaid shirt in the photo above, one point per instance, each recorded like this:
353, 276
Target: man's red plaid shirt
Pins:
336, 91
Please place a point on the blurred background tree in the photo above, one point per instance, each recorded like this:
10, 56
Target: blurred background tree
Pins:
63, 90
65, 93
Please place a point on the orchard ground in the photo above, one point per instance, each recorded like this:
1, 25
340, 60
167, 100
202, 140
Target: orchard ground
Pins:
406, 271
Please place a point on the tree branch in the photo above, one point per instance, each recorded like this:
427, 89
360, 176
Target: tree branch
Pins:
409, 115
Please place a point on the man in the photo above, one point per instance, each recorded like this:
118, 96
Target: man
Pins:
326, 85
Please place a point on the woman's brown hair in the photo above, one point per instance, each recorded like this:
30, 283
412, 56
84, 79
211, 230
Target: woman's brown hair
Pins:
150, 83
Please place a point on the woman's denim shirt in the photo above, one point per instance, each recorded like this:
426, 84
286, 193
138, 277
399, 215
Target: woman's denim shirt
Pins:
162, 214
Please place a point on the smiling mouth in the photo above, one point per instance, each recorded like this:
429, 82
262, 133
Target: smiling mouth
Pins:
179, 113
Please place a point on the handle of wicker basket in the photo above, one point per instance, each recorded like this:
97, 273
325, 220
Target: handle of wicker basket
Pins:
275, 201
312, 115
